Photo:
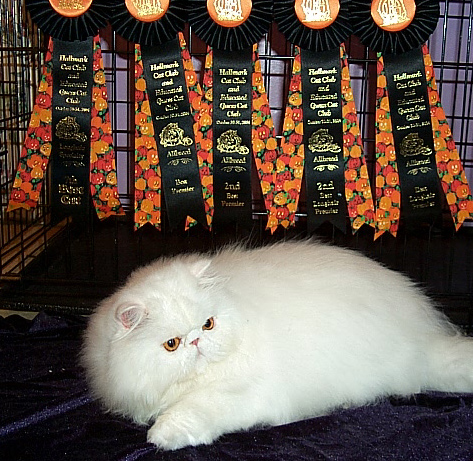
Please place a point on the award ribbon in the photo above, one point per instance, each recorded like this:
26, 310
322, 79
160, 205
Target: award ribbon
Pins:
408, 171
165, 88
71, 128
232, 135
321, 136
234, 121
70, 123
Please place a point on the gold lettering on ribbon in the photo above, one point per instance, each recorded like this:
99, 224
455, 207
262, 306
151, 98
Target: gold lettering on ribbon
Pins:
71, 193
148, 7
411, 146
71, 4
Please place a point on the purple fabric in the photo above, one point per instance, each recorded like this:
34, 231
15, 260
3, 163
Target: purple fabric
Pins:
47, 414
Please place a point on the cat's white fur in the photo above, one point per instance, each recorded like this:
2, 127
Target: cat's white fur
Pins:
300, 329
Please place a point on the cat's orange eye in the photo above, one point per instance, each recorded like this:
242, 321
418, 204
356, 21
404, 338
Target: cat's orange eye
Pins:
172, 344
209, 324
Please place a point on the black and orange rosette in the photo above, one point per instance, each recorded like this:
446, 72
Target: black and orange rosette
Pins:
416, 156
321, 135
234, 119
82, 154
167, 94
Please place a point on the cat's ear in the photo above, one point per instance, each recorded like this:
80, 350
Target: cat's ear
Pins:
199, 267
130, 316
202, 270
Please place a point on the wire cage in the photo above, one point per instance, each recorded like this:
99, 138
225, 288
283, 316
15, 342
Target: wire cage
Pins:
70, 265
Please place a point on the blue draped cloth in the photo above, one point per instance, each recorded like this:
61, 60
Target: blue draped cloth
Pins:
46, 413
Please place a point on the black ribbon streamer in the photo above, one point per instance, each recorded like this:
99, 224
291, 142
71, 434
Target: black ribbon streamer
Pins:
412, 132
71, 106
233, 154
69, 29
148, 33
231, 38
322, 108
324, 164
307, 38
174, 132
415, 34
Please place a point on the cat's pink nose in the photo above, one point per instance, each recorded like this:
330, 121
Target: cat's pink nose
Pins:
195, 342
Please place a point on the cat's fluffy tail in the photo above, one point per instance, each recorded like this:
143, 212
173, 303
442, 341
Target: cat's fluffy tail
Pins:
450, 364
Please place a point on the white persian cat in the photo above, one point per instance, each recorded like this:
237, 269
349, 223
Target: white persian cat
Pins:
205, 345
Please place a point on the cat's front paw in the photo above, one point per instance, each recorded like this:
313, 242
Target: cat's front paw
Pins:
173, 431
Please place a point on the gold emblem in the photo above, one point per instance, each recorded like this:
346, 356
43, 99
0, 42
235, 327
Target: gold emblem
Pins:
322, 141
172, 135
230, 143
147, 10
316, 10
68, 128
393, 15
228, 10
229, 13
317, 14
70, 8
412, 144
392, 12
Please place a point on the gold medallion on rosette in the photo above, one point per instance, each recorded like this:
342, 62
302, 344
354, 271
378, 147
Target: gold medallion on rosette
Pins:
70, 8
147, 10
317, 14
229, 13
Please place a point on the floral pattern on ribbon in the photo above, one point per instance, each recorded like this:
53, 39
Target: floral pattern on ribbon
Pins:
357, 185
449, 167
265, 149
388, 190
147, 170
103, 173
290, 163
36, 150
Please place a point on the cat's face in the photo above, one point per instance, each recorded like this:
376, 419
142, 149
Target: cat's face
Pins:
166, 326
